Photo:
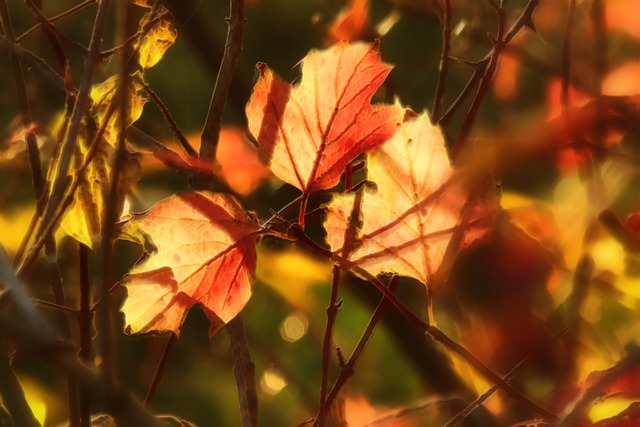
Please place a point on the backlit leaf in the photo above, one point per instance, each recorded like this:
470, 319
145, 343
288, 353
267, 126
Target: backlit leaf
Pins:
310, 131
82, 219
406, 225
158, 35
205, 254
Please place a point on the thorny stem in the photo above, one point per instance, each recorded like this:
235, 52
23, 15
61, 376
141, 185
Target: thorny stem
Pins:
484, 84
431, 330
327, 344
483, 76
349, 368
55, 36
162, 364
444, 63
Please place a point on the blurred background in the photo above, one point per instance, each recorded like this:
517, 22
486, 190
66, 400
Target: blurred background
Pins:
509, 296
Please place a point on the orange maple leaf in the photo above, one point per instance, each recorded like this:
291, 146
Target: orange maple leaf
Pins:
309, 132
205, 254
406, 225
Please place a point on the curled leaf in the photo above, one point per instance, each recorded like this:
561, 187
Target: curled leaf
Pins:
158, 34
205, 254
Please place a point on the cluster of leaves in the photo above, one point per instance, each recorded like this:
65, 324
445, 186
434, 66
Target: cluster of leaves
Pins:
516, 290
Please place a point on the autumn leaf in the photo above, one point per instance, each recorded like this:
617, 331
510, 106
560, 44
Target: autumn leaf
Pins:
205, 253
158, 34
310, 131
82, 220
406, 224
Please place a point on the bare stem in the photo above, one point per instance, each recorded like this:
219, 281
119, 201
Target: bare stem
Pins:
232, 50
349, 368
327, 345
244, 371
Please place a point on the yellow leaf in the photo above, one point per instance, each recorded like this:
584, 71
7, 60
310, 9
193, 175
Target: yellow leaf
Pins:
158, 34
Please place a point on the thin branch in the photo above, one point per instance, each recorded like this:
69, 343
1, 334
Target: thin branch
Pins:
444, 63
64, 15
112, 208
55, 36
327, 345
232, 51
162, 364
86, 321
167, 117
244, 371
501, 41
349, 368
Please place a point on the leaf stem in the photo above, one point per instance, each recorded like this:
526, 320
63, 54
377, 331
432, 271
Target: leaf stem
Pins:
167, 117
59, 17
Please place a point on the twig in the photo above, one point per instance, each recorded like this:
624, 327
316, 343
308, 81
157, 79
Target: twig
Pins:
52, 78
431, 330
444, 63
86, 320
232, 51
244, 371
55, 36
349, 368
167, 117
487, 394
157, 375
500, 42
60, 17
327, 345
112, 209
484, 84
